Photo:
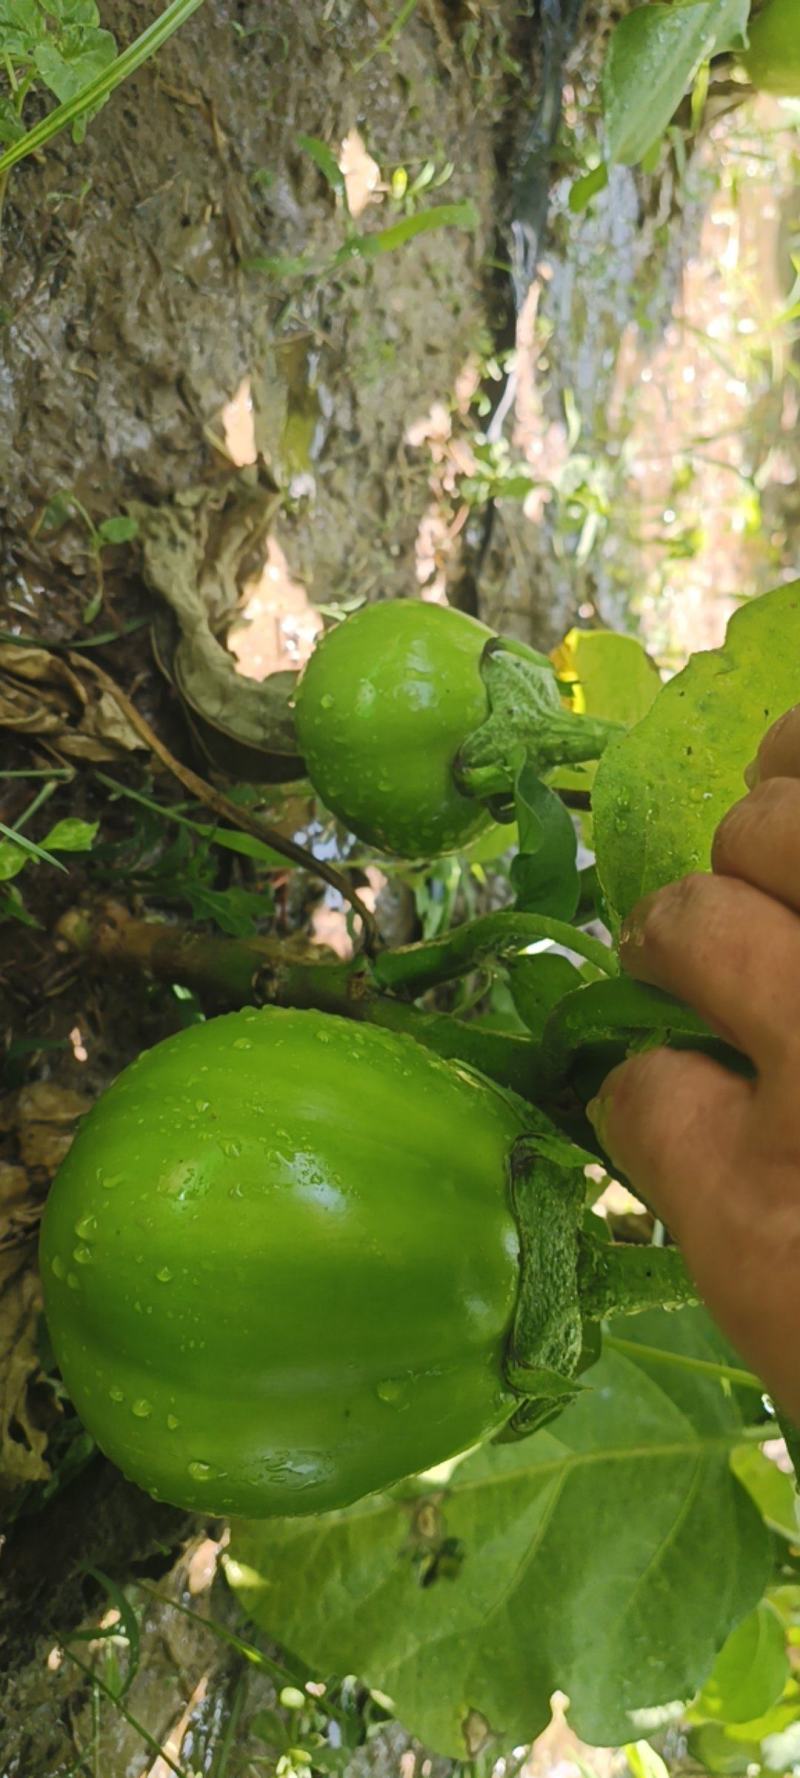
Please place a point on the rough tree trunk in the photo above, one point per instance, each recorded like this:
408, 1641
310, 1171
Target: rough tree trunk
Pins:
130, 318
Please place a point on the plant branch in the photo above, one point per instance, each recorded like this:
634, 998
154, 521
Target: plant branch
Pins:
414, 968
509, 1060
233, 972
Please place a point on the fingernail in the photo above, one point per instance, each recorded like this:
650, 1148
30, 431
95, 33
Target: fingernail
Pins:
751, 774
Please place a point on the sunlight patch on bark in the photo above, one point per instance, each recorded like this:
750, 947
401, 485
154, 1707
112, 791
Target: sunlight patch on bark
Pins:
278, 624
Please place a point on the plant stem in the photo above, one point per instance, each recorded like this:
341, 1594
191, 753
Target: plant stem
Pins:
233, 972
59, 774
704, 1367
42, 796
509, 1060
527, 720
414, 968
624, 1280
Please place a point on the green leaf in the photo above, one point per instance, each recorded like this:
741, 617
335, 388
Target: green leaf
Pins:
229, 837
651, 159
325, 159
12, 860
386, 240
118, 529
67, 75
74, 12
623, 1516
22, 26
28, 847
538, 984
771, 1488
92, 606
772, 1730
609, 675
12, 907
10, 126
544, 873
661, 790
245, 844
22, 15
72, 836
398, 22
587, 187
714, 1750
235, 911
652, 58
58, 512
278, 266
644, 1762
750, 1671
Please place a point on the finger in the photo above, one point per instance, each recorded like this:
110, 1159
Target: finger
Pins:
730, 952
759, 840
686, 1134
669, 1121
779, 753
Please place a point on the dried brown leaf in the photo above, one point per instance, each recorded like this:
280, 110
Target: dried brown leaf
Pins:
22, 1442
195, 556
43, 695
19, 1211
44, 1116
47, 1116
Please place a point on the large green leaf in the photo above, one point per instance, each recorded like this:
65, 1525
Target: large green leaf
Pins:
610, 675
66, 75
652, 58
750, 1671
545, 871
771, 1488
609, 1557
661, 790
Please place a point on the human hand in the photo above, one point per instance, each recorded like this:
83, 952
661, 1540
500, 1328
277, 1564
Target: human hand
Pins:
717, 1156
